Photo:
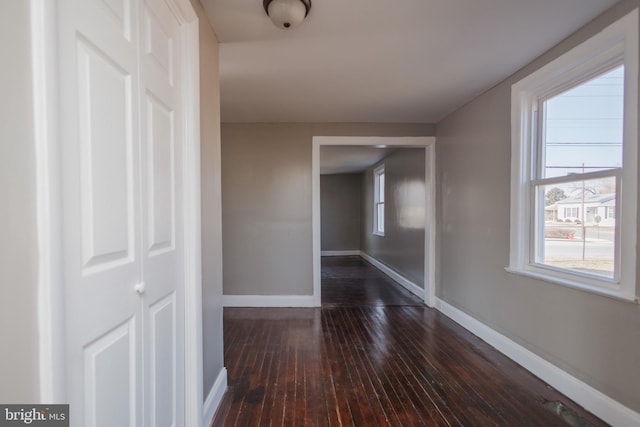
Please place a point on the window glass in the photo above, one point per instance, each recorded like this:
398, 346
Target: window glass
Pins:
577, 231
583, 126
378, 211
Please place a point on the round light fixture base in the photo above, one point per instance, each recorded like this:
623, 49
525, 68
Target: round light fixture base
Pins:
287, 14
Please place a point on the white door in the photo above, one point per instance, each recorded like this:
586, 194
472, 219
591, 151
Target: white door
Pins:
121, 138
162, 251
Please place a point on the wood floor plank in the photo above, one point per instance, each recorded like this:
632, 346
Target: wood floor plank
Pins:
378, 380
373, 355
337, 373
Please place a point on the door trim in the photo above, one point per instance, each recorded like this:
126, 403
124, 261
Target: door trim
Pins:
429, 143
48, 202
51, 324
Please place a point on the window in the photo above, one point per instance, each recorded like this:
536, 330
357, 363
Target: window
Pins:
610, 212
574, 152
378, 201
570, 212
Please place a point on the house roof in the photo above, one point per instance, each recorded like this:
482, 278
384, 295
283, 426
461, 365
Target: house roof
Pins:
589, 198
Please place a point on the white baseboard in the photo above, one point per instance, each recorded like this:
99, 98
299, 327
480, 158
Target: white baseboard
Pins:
591, 399
354, 252
267, 301
394, 275
215, 396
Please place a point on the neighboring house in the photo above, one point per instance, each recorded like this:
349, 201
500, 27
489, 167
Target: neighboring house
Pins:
594, 205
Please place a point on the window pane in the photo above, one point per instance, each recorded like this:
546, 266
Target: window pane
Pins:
571, 211
381, 217
583, 126
381, 188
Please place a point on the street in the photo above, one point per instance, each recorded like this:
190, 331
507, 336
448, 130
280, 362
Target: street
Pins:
572, 249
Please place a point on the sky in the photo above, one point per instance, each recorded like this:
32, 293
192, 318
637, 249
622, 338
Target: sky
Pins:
584, 125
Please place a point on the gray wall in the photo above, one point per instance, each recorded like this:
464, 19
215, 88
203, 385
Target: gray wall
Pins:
340, 210
19, 381
211, 201
266, 202
594, 338
402, 246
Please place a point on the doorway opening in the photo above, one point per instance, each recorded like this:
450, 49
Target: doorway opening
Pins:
426, 289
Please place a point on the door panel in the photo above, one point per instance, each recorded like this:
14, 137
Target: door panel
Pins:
120, 13
159, 42
163, 361
110, 365
121, 156
163, 207
105, 131
98, 69
161, 177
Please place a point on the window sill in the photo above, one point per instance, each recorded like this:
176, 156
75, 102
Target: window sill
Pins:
575, 284
378, 233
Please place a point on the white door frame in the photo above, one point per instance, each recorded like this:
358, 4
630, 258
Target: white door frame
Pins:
429, 144
49, 209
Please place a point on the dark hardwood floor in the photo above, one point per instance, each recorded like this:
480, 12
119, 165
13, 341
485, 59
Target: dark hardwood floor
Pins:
351, 281
373, 355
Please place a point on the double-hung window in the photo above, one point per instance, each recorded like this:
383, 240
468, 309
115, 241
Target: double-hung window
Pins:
378, 201
574, 166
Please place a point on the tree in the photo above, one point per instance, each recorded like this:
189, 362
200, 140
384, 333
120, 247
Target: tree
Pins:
554, 195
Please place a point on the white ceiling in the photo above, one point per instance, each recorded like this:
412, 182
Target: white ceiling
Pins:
349, 159
380, 61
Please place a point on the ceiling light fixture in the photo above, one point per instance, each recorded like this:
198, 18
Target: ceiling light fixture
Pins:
287, 14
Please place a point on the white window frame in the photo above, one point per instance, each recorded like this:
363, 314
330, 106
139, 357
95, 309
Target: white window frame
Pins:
378, 200
615, 45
